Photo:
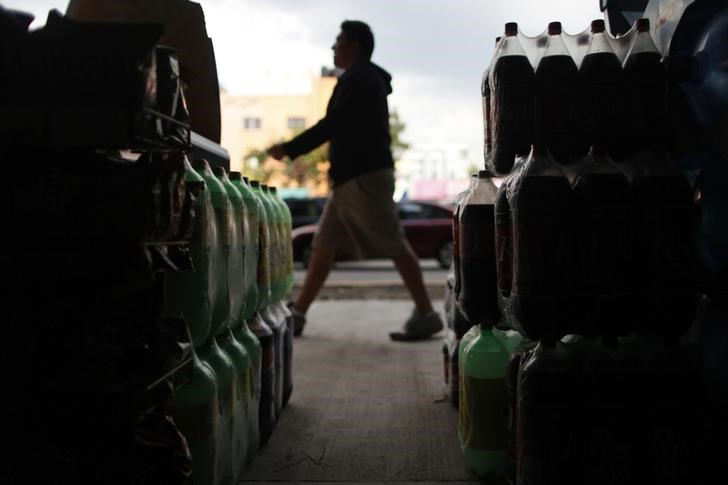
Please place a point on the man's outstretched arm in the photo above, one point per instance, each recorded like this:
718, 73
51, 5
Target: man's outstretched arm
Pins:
340, 113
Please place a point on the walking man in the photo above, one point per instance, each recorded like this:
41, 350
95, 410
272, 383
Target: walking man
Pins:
360, 213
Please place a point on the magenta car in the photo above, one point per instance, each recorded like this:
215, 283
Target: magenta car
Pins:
427, 226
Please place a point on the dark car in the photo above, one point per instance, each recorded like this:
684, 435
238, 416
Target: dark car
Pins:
427, 226
305, 211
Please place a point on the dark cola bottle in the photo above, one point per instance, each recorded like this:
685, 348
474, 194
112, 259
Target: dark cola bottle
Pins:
602, 249
456, 235
486, 95
504, 244
503, 247
602, 84
541, 291
557, 102
511, 80
645, 94
267, 405
664, 252
521, 354
478, 299
547, 418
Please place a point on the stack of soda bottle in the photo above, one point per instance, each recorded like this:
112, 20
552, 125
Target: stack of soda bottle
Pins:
232, 301
585, 250
90, 231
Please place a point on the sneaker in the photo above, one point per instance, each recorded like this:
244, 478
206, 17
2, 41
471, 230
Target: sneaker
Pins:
418, 327
299, 320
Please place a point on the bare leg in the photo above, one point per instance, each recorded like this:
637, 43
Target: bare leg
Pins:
319, 265
409, 269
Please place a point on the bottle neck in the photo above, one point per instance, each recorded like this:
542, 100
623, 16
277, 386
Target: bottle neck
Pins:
642, 44
510, 46
555, 47
599, 44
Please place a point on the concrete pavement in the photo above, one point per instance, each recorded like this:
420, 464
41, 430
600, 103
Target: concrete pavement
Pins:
364, 409
373, 279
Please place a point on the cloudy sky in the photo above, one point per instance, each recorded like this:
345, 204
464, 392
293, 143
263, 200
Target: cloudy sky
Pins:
436, 50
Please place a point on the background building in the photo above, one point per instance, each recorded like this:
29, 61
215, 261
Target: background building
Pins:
435, 171
253, 123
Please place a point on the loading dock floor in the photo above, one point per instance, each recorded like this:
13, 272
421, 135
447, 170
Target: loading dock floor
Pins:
364, 409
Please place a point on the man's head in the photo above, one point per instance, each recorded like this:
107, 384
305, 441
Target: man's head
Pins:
354, 43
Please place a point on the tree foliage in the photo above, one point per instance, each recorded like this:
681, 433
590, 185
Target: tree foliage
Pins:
254, 165
309, 170
396, 128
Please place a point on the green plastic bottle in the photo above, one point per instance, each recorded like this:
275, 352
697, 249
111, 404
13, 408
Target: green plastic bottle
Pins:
278, 309
227, 383
195, 410
241, 401
250, 230
274, 220
510, 339
484, 435
264, 271
187, 293
272, 317
236, 256
243, 335
287, 241
220, 248
469, 336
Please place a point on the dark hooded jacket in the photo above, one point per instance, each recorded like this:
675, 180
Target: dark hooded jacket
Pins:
356, 124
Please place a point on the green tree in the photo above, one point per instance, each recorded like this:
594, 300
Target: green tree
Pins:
305, 168
396, 128
254, 166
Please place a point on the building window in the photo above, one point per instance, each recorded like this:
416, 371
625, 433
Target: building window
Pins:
296, 123
251, 123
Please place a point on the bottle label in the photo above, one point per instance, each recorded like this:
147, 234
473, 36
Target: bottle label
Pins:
223, 218
476, 239
484, 417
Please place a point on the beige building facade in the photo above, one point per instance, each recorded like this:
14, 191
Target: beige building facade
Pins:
256, 122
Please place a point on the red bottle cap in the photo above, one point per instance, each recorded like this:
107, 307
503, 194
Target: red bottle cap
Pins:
643, 25
555, 28
511, 29
597, 26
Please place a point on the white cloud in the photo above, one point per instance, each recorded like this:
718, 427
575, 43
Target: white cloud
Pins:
435, 50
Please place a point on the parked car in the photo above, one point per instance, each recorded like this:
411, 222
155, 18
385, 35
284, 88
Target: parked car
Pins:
427, 226
305, 211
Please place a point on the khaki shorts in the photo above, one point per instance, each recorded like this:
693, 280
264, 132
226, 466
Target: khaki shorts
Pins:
361, 220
